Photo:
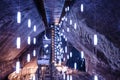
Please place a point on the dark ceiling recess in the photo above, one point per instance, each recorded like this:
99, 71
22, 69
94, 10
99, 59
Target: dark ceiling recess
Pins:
66, 4
40, 6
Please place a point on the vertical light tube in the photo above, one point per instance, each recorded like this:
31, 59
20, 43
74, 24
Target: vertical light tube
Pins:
18, 42
65, 49
68, 77
18, 17
34, 52
33, 78
28, 40
63, 30
70, 22
63, 75
28, 57
70, 54
17, 67
34, 28
68, 29
68, 8
75, 26
82, 54
71, 77
34, 40
82, 8
63, 59
95, 39
67, 56
29, 23
66, 19
75, 65
95, 77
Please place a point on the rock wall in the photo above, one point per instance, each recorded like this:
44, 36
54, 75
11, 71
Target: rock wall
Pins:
103, 59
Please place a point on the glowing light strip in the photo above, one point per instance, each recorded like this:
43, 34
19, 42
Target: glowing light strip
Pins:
18, 42
82, 7
64, 76
71, 77
46, 45
63, 30
95, 39
68, 8
75, 26
65, 49
28, 58
75, 65
70, 54
29, 23
18, 17
34, 40
68, 29
68, 77
33, 78
34, 28
70, 22
67, 56
63, 59
28, 40
17, 67
95, 77
34, 52
82, 54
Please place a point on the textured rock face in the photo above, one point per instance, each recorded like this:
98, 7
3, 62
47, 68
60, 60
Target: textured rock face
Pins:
10, 30
103, 59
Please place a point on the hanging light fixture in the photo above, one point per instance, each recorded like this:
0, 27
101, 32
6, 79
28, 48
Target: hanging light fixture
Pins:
29, 23
28, 57
34, 28
68, 77
33, 77
82, 54
17, 66
95, 39
18, 42
46, 45
70, 54
68, 29
82, 8
70, 22
63, 59
34, 40
71, 77
63, 75
95, 77
65, 49
18, 17
63, 30
75, 65
75, 26
68, 8
29, 40
34, 52
67, 56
